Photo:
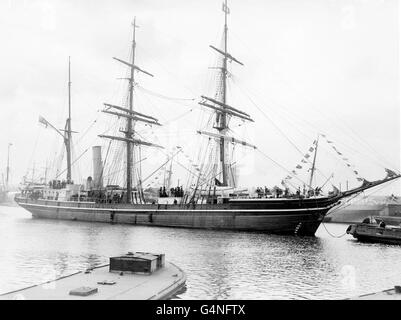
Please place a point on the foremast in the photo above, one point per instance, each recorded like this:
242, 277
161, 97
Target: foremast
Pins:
131, 117
313, 169
223, 110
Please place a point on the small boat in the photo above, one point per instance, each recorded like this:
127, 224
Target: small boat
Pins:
377, 229
133, 276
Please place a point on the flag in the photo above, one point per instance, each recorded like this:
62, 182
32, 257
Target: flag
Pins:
348, 165
307, 156
225, 8
293, 171
359, 179
43, 121
339, 153
298, 166
356, 172
217, 182
311, 149
304, 161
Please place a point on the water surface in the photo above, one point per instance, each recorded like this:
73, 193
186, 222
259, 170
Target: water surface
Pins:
219, 264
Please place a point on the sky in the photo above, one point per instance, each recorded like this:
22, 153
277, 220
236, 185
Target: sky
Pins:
310, 66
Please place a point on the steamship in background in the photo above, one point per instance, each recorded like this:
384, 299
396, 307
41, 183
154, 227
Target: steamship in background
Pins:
213, 200
372, 205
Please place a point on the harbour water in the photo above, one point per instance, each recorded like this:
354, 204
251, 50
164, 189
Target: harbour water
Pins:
219, 265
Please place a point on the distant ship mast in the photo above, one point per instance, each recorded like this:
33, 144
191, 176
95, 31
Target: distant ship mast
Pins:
131, 117
8, 165
223, 110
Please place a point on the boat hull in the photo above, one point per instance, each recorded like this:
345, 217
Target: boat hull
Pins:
291, 220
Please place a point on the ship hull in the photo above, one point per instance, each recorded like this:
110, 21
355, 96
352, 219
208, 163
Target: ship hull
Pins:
257, 216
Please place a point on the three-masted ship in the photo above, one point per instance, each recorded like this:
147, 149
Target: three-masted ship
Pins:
217, 203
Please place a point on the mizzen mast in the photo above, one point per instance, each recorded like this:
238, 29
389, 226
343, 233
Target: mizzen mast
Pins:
67, 132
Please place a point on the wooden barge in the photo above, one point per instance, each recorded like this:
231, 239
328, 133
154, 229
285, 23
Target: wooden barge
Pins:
134, 276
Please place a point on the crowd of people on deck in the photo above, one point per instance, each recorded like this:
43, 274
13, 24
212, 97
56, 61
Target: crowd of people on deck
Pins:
276, 192
59, 184
174, 192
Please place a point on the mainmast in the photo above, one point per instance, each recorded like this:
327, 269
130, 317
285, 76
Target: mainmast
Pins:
131, 117
222, 109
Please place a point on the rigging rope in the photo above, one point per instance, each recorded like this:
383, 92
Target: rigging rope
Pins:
72, 163
332, 235
275, 162
318, 110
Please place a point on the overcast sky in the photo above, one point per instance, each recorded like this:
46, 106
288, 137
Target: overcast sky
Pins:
310, 66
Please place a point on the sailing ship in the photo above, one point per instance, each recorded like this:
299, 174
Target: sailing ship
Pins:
215, 202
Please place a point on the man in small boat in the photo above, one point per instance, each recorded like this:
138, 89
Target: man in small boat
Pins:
366, 220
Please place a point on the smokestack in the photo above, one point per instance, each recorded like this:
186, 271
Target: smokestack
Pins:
97, 167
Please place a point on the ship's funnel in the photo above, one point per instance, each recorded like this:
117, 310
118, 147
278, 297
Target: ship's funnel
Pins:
97, 167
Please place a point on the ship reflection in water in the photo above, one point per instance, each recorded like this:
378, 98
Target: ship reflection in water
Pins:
219, 265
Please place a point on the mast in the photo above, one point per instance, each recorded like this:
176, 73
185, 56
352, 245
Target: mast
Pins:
221, 108
8, 164
223, 128
67, 133
131, 117
313, 164
129, 133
